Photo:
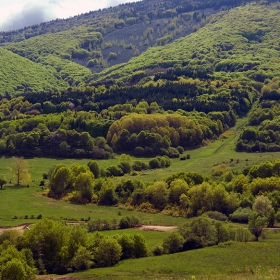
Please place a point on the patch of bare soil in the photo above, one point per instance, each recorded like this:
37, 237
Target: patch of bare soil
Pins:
19, 228
156, 228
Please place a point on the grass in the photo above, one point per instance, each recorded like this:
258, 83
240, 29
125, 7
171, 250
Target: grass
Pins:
252, 260
29, 201
152, 238
201, 160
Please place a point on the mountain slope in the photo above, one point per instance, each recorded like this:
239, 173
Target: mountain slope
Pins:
78, 46
20, 74
243, 40
56, 50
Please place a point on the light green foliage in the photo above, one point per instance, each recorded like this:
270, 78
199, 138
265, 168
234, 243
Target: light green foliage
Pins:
262, 204
13, 236
178, 187
55, 50
20, 170
46, 240
84, 184
201, 232
256, 224
60, 179
157, 194
108, 253
82, 259
14, 264
21, 74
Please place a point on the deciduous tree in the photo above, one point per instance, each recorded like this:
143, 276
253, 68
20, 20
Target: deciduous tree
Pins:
20, 170
256, 224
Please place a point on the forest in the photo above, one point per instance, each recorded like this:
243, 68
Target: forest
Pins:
156, 112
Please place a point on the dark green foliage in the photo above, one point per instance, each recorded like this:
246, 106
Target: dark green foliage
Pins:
128, 222
215, 215
241, 215
125, 188
99, 225
107, 195
204, 230
173, 243
133, 246
95, 169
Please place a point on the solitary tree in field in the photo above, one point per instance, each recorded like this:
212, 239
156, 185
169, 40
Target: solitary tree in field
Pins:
20, 170
256, 224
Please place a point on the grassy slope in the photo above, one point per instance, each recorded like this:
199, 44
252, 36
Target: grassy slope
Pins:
18, 71
52, 50
252, 260
241, 35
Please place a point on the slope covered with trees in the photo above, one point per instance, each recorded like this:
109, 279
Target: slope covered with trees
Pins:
245, 49
19, 75
74, 47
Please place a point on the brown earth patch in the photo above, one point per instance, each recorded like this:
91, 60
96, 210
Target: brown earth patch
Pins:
19, 228
156, 228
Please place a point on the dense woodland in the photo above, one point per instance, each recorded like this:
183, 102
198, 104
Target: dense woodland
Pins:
150, 81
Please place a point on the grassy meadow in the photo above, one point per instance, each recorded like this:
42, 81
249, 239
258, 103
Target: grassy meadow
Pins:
30, 201
251, 260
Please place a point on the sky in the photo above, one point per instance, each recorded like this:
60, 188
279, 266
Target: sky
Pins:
16, 14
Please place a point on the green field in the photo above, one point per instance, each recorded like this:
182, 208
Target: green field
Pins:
29, 201
252, 260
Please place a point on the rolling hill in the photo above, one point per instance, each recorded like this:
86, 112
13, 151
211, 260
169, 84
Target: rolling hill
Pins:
239, 44
76, 50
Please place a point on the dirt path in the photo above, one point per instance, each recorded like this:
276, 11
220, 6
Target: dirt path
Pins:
19, 228
157, 228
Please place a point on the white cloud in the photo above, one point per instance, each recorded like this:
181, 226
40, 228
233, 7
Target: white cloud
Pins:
15, 15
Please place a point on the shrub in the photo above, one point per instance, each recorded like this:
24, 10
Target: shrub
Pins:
158, 250
216, 215
115, 170
128, 222
241, 215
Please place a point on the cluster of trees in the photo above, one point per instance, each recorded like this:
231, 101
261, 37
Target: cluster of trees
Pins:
89, 183
175, 91
204, 231
262, 134
182, 194
58, 128
67, 134
51, 246
146, 135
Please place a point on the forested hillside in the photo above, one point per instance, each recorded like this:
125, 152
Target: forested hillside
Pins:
155, 107
238, 44
204, 81
19, 74
75, 48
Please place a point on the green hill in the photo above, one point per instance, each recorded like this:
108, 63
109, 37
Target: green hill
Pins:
19, 74
91, 42
241, 43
